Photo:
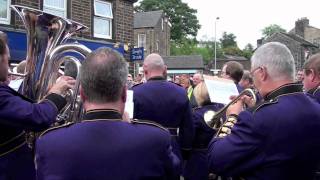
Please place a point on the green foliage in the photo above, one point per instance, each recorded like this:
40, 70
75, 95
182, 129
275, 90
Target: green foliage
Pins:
192, 47
247, 51
183, 18
228, 40
273, 28
232, 50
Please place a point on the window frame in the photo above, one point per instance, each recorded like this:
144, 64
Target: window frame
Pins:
65, 9
145, 40
8, 19
103, 17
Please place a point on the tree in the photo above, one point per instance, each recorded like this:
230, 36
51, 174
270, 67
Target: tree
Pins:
248, 51
183, 18
228, 40
192, 47
271, 29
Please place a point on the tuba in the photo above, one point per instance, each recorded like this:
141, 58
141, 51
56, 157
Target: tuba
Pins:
47, 49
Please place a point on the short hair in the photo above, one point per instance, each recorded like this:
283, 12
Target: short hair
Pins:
3, 44
103, 75
154, 62
313, 63
3, 49
235, 70
247, 76
201, 94
277, 58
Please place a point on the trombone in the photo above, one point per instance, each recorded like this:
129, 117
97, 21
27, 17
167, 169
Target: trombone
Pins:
215, 119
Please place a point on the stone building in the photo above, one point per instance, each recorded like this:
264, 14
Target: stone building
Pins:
303, 40
109, 22
152, 31
304, 30
299, 47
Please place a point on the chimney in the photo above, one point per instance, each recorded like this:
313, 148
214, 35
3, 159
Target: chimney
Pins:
301, 24
260, 42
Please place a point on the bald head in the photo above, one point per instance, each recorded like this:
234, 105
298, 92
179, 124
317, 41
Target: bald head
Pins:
153, 65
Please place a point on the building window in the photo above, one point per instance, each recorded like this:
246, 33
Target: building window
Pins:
55, 7
142, 40
5, 11
102, 27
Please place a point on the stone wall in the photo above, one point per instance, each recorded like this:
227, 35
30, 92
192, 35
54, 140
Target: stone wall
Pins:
295, 47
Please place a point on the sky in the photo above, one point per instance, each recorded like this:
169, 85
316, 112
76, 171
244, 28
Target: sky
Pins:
246, 18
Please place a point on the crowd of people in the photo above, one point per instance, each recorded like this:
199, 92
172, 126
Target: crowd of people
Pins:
277, 139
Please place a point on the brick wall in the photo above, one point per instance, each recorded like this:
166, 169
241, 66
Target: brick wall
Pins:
17, 22
123, 21
81, 12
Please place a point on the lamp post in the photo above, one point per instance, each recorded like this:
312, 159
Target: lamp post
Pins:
215, 43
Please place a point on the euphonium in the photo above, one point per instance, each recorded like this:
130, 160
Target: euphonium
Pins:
215, 119
47, 46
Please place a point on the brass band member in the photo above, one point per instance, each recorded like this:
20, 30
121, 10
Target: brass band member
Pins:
279, 139
17, 113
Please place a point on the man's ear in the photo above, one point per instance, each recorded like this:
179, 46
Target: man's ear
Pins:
82, 95
264, 74
165, 70
314, 76
124, 94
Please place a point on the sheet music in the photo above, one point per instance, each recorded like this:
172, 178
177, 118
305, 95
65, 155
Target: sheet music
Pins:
129, 103
220, 89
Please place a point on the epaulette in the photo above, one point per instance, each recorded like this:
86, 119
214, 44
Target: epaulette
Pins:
56, 127
175, 83
146, 122
263, 104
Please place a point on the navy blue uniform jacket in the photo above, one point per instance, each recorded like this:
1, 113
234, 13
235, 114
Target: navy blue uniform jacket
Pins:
167, 104
17, 114
197, 165
102, 146
278, 140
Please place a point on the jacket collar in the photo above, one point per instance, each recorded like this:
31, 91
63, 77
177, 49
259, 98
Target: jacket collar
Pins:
102, 114
284, 89
156, 78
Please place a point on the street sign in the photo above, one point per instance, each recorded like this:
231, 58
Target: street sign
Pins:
137, 54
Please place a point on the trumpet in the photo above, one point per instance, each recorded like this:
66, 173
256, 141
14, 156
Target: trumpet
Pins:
215, 119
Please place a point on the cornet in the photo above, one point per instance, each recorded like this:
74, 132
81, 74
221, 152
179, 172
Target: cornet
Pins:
215, 119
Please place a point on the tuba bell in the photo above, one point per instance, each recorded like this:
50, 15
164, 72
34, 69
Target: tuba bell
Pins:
47, 49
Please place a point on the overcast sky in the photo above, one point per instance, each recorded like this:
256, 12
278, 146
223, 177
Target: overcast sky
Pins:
246, 18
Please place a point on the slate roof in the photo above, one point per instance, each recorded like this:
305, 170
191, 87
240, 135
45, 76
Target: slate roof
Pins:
295, 37
184, 62
147, 19
299, 39
232, 58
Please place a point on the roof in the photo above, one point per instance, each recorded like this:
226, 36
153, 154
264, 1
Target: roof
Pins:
232, 58
298, 39
147, 19
184, 62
